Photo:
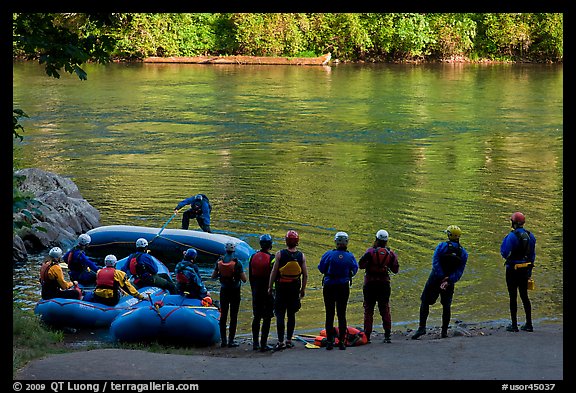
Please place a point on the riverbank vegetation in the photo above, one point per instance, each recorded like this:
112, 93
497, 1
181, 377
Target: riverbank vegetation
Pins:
31, 339
370, 37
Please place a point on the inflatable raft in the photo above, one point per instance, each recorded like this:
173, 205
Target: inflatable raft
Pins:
167, 245
76, 313
189, 324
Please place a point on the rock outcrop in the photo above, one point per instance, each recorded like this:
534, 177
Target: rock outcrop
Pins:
63, 214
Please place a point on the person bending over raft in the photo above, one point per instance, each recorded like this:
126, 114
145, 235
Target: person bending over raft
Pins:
200, 209
144, 270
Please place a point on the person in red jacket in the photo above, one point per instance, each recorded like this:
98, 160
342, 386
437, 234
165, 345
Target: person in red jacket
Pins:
378, 261
110, 282
259, 269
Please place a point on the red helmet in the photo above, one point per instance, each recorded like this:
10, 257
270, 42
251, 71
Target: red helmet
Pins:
518, 218
292, 238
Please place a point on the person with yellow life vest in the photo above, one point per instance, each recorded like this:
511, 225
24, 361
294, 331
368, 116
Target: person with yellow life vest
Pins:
52, 279
377, 262
518, 248
338, 266
448, 264
142, 267
288, 280
259, 269
80, 267
231, 274
110, 282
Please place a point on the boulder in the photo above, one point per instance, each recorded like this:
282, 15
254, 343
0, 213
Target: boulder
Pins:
62, 215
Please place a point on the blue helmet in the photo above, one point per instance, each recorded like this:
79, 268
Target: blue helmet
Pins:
265, 241
190, 254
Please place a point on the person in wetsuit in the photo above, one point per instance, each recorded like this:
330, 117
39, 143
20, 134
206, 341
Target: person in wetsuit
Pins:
229, 271
378, 261
200, 209
288, 280
448, 263
259, 269
338, 267
518, 248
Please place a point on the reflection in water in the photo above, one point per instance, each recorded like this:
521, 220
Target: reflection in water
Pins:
410, 149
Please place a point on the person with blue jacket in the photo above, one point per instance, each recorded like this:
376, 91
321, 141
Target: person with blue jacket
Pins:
518, 248
80, 267
188, 280
338, 266
200, 209
448, 263
143, 269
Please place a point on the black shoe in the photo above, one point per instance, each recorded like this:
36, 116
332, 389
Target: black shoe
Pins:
279, 346
223, 345
420, 332
387, 340
329, 345
255, 347
444, 333
342, 346
527, 328
233, 344
512, 328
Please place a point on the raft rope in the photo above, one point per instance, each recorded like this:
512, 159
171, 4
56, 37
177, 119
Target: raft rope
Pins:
165, 238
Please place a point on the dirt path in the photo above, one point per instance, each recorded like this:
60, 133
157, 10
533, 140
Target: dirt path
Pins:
490, 354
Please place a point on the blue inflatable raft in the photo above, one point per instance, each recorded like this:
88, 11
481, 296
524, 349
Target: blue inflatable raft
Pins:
167, 245
180, 321
76, 313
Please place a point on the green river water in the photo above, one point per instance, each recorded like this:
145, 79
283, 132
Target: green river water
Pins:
356, 148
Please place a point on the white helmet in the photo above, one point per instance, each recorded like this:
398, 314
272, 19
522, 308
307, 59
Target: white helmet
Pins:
341, 238
84, 239
110, 260
55, 252
141, 243
382, 235
230, 246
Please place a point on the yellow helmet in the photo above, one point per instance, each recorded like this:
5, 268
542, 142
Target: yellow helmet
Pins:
454, 232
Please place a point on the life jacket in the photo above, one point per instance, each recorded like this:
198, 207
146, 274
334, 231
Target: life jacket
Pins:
261, 265
353, 338
105, 278
520, 252
227, 271
73, 262
44, 269
290, 265
451, 259
381, 259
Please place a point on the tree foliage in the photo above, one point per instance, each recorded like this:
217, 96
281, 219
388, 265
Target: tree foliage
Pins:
68, 40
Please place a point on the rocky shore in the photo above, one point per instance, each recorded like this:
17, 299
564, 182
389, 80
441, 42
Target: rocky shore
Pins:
62, 215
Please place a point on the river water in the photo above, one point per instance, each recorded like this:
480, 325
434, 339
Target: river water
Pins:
356, 148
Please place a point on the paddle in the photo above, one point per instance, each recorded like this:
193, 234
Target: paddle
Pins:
163, 227
308, 345
154, 306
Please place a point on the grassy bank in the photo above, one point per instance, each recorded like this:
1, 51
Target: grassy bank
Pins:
31, 339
